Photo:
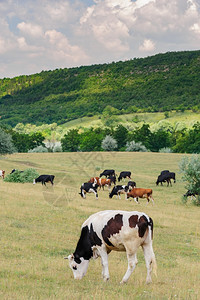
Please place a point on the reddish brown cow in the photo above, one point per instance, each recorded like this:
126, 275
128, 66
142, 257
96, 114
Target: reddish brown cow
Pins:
2, 173
141, 193
101, 182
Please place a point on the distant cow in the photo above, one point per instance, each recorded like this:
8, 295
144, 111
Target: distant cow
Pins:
44, 179
112, 178
166, 177
191, 194
114, 230
88, 187
164, 172
124, 174
16, 170
102, 182
131, 185
117, 190
136, 193
2, 173
107, 173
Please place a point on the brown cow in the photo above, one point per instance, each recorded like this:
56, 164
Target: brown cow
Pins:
141, 193
101, 182
2, 173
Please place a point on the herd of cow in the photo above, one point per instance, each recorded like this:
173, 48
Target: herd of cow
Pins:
129, 189
116, 230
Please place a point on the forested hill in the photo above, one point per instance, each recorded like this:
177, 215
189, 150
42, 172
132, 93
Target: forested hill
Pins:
161, 82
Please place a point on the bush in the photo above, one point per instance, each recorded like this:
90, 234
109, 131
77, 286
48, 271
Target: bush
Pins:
165, 150
109, 143
57, 148
6, 143
38, 149
26, 176
133, 146
190, 168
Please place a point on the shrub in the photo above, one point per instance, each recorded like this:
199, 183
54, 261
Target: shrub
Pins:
190, 169
165, 150
133, 146
38, 149
57, 148
109, 143
26, 176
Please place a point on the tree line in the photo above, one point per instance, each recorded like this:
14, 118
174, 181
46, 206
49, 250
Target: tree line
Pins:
107, 139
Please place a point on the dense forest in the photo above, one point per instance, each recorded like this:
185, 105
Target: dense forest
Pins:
158, 83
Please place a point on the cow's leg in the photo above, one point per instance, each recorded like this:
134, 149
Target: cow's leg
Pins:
132, 262
104, 261
125, 196
83, 194
119, 196
136, 199
149, 259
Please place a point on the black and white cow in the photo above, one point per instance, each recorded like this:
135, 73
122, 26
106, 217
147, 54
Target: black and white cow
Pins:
44, 179
124, 174
131, 185
119, 189
114, 230
166, 177
191, 194
89, 187
107, 173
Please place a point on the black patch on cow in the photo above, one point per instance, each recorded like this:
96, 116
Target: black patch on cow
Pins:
133, 220
113, 226
84, 247
142, 226
95, 240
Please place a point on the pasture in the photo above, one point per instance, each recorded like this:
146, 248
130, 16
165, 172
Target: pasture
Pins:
41, 225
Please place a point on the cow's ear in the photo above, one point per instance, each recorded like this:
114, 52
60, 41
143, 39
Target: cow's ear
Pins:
70, 257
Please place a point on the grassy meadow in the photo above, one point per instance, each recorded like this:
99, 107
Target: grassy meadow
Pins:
41, 225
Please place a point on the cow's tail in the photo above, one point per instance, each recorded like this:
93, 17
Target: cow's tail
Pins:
153, 259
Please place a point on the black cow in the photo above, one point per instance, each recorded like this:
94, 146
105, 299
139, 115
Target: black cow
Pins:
117, 190
124, 175
164, 172
166, 177
107, 173
44, 179
131, 185
15, 170
88, 187
112, 178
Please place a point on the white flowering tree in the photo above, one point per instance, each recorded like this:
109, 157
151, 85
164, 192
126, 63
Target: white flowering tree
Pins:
109, 143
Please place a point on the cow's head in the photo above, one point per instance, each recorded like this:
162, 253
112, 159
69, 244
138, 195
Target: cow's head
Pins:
79, 265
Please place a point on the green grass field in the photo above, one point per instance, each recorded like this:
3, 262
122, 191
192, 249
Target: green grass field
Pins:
41, 225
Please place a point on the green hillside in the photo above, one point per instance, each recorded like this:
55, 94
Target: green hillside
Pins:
158, 83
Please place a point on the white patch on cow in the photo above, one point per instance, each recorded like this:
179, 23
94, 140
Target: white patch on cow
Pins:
33, 181
79, 270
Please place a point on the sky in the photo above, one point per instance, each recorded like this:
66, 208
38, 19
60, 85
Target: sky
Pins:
37, 35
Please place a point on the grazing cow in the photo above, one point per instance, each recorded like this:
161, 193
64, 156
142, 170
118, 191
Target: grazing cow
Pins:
15, 170
2, 173
166, 177
141, 193
112, 178
164, 172
117, 190
102, 182
88, 187
107, 173
124, 174
131, 185
191, 194
114, 230
44, 179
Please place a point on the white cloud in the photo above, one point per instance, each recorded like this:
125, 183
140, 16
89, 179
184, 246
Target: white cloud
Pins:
30, 29
48, 34
147, 46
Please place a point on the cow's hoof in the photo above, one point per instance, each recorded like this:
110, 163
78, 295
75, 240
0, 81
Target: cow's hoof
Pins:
106, 279
123, 282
